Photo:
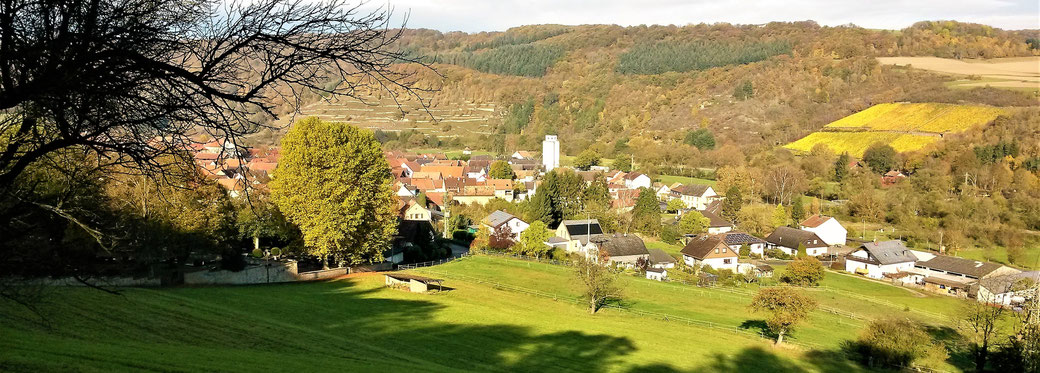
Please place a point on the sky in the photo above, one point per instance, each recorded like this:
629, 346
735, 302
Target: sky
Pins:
499, 15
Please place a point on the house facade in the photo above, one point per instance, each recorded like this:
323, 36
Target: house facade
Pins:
499, 220
579, 234
696, 197
621, 249
710, 251
827, 228
788, 239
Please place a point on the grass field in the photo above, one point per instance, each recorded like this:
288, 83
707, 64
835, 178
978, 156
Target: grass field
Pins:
356, 324
670, 179
1017, 73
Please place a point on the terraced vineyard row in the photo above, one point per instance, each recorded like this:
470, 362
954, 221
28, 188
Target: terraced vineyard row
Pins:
855, 143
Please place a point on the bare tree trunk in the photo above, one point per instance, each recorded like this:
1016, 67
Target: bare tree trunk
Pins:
779, 337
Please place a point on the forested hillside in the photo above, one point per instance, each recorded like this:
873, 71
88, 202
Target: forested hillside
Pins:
641, 90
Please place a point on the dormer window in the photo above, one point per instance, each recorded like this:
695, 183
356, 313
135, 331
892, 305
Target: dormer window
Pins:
716, 251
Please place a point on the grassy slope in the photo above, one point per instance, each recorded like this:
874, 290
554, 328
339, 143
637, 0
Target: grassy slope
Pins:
359, 325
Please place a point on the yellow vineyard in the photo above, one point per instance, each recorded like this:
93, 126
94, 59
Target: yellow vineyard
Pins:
906, 127
855, 143
937, 118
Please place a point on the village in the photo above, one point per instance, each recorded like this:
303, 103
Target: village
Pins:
428, 184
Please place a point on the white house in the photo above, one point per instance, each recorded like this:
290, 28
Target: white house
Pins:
620, 249
499, 219
661, 259
664, 193
827, 228
416, 212
874, 259
579, 234
710, 251
635, 180
695, 196
716, 223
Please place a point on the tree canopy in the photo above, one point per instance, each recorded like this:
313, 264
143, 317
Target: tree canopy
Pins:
334, 183
786, 308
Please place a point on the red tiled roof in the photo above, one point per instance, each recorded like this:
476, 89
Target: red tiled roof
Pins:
815, 220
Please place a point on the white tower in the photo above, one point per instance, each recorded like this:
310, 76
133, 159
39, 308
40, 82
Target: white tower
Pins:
550, 153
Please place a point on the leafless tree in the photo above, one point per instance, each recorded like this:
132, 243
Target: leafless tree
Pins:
133, 80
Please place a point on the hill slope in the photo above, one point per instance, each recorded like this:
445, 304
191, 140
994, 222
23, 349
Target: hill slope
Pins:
359, 325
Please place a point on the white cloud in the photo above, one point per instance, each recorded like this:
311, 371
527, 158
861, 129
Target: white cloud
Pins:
497, 15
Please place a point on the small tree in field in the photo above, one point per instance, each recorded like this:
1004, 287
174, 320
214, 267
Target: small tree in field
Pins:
804, 271
598, 284
786, 306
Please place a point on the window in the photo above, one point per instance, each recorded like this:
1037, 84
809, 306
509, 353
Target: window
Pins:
716, 250
727, 261
723, 249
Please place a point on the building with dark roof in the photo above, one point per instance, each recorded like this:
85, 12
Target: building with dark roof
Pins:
620, 248
788, 239
695, 196
660, 259
578, 234
874, 259
735, 240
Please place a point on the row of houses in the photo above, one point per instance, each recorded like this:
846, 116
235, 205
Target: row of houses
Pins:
949, 275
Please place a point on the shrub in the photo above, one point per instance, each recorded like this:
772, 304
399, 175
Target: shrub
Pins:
669, 234
777, 254
804, 271
894, 342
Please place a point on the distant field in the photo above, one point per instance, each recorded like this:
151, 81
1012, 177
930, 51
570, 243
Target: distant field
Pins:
670, 179
937, 118
1021, 73
444, 119
904, 126
855, 143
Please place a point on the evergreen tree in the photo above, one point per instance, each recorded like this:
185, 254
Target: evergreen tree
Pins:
702, 139
732, 204
841, 167
744, 91
797, 211
779, 216
646, 215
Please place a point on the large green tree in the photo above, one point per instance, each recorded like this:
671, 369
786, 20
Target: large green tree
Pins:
733, 203
501, 170
587, 159
532, 240
693, 222
880, 158
334, 183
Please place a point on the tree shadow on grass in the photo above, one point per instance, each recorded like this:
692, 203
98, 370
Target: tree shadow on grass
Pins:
956, 345
763, 360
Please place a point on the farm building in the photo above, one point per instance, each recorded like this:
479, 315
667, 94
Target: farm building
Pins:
827, 228
620, 248
656, 274
710, 251
415, 284
1008, 290
661, 259
874, 259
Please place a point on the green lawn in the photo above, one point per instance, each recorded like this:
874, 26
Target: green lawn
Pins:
358, 325
668, 248
670, 179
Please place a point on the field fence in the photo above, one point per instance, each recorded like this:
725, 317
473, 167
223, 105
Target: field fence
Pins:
431, 263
